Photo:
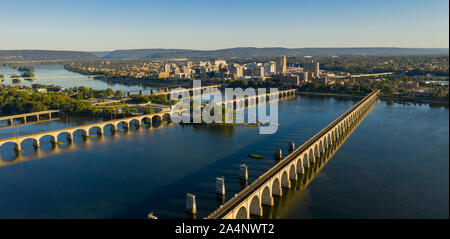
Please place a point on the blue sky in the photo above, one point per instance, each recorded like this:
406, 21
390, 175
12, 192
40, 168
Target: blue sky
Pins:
200, 24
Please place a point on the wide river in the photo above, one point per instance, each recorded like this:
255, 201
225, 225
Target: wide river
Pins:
394, 165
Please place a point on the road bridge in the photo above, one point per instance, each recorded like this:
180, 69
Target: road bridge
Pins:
25, 117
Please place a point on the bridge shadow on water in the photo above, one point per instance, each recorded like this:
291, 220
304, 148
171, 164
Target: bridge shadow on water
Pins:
168, 202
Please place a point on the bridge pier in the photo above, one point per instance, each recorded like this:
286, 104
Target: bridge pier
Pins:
220, 185
113, 129
300, 168
69, 137
276, 189
291, 146
17, 147
100, 131
306, 161
10, 122
36, 144
255, 207
243, 173
278, 154
54, 140
191, 207
267, 198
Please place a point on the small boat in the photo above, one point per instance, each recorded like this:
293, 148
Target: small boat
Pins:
256, 156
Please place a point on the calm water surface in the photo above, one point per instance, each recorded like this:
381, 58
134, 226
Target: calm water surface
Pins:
394, 165
58, 76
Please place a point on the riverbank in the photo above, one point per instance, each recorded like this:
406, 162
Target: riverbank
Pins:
381, 97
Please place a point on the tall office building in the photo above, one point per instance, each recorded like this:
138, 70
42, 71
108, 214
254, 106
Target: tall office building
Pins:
312, 67
281, 65
237, 71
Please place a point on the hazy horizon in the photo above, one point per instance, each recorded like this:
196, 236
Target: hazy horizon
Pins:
202, 25
355, 47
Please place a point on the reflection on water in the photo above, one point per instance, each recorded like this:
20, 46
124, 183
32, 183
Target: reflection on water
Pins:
58, 76
298, 192
29, 152
132, 173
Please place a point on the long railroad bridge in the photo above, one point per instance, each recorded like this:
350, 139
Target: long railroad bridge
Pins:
256, 99
85, 130
113, 125
270, 184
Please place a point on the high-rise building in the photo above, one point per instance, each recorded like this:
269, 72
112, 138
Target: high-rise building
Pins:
281, 65
270, 67
312, 67
237, 71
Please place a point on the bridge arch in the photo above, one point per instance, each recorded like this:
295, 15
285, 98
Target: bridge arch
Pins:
146, 120
166, 117
135, 122
112, 127
123, 123
300, 168
321, 146
255, 206
316, 150
52, 138
306, 160
156, 118
266, 196
64, 133
285, 183
311, 155
242, 213
276, 187
97, 130
292, 172
28, 141
81, 132
15, 144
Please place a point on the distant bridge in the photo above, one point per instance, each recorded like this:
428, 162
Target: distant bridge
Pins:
113, 125
167, 91
24, 117
261, 191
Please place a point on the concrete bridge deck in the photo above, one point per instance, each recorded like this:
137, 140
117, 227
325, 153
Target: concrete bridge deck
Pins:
166, 90
261, 191
24, 117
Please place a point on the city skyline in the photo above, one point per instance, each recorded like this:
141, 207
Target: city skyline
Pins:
199, 25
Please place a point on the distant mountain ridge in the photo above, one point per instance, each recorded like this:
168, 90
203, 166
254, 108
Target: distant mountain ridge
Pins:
44, 55
241, 52
271, 52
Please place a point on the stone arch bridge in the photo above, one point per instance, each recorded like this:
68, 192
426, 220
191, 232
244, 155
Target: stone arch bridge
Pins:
85, 130
261, 191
